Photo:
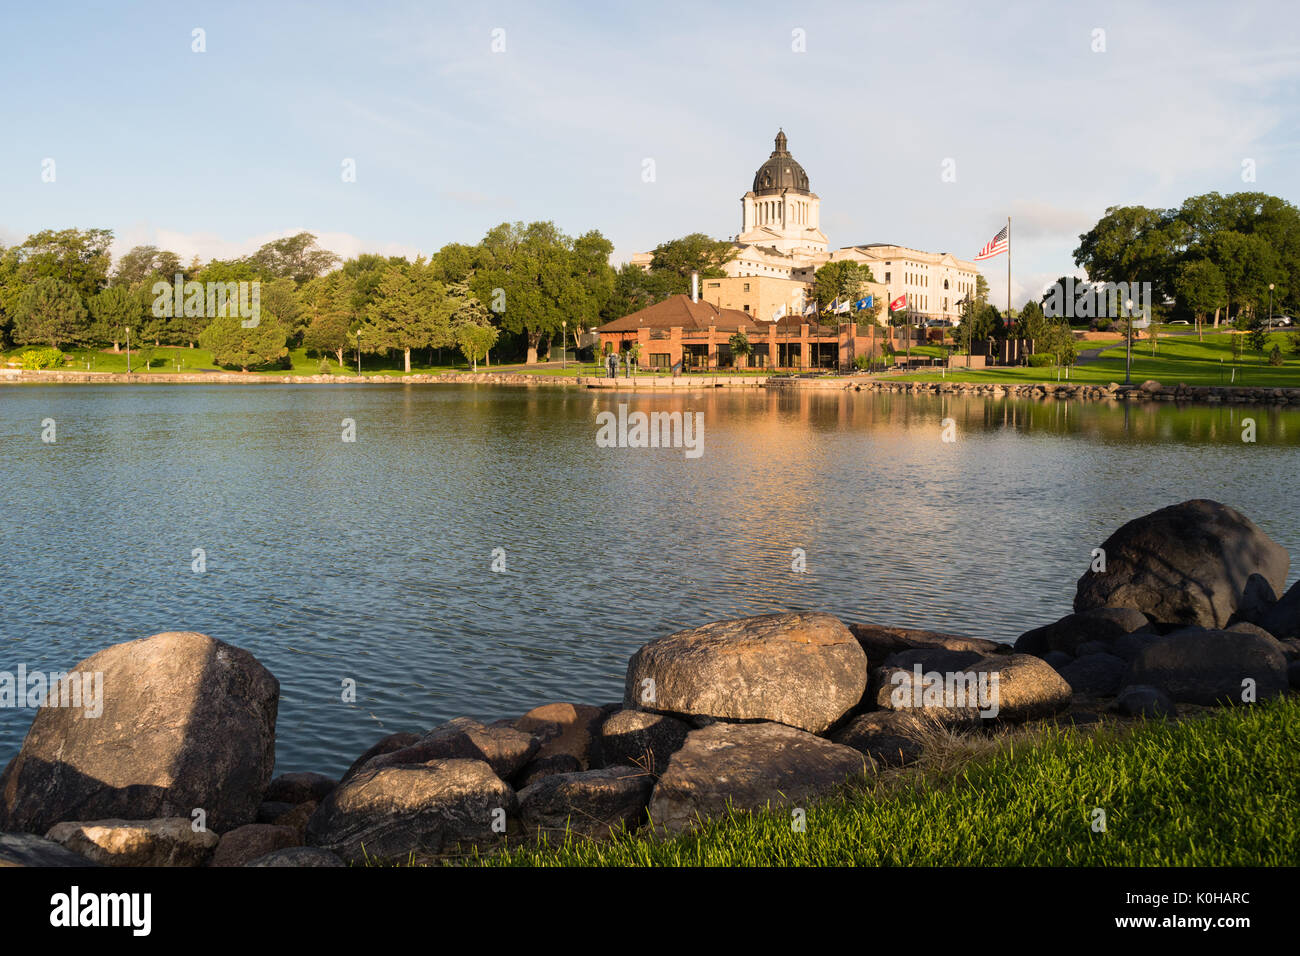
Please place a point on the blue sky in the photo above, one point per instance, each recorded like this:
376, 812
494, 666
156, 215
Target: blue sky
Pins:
214, 153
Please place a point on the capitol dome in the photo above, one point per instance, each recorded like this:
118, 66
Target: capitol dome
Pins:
780, 172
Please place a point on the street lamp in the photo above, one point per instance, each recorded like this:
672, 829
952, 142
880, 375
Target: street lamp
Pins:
128, 350
564, 334
1128, 337
358, 353
1270, 305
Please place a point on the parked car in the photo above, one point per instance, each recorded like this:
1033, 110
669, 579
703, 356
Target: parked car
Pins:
1281, 320
1180, 322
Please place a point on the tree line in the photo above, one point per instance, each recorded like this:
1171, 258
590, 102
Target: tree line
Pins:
518, 290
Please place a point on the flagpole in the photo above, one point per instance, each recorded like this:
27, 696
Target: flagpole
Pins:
1009, 271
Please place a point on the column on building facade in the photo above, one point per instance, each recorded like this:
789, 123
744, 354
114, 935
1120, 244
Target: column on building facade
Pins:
773, 354
713, 348
805, 349
675, 351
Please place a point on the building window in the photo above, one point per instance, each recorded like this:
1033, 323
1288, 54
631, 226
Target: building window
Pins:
746, 286
659, 360
886, 276
746, 308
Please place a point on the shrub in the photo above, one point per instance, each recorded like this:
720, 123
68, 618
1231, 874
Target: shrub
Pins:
1042, 359
1103, 324
42, 358
324, 367
1275, 355
862, 361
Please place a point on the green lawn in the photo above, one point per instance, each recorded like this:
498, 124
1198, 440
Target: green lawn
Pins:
1212, 791
182, 360
1177, 359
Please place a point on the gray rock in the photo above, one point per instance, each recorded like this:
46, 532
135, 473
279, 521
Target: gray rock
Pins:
1245, 627
252, 841
1185, 564
300, 787
27, 849
642, 739
1096, 675
1067, 634
171, 841
188, 722
1093, 647
932, 659
390, 812
1206, 667
269, 810
504, 749
590, 803
1283, 619
1293, 673
1056, 660
385, 745
547, 767
888, 737
1128, 646
1143, 700
803, 669
747, 766
298, 856
878, 641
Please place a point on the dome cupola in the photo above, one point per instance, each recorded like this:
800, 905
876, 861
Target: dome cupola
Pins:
780, 173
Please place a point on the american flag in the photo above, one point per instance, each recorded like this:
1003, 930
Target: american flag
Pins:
994, 247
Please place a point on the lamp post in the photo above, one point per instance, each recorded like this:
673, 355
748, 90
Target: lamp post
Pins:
564, 334
1270, 305
358, 353
1128, 338
128, 350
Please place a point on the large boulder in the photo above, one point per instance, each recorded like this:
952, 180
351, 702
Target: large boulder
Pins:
171, 841
878, 641
804, 669
1096, 675
299, 788
187, 723
1282, 620
504, 749
1196, 666
1007, 687
590, 803
1185, 564
747, 766
390, 812
642, 739
385, 745
1104, 624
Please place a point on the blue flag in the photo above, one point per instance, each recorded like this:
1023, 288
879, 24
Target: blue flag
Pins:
863, 303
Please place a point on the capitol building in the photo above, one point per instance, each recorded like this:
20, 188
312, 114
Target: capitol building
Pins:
780, 247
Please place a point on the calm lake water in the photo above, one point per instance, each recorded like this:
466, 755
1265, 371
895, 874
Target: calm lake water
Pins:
371, 560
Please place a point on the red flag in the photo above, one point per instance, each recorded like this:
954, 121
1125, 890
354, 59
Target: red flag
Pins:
899, 303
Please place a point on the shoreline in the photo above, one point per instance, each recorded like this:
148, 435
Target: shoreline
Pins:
1146, 391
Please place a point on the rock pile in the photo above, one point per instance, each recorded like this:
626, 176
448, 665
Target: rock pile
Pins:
769, 711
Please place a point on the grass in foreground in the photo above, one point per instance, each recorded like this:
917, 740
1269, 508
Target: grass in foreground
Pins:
1214, 791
